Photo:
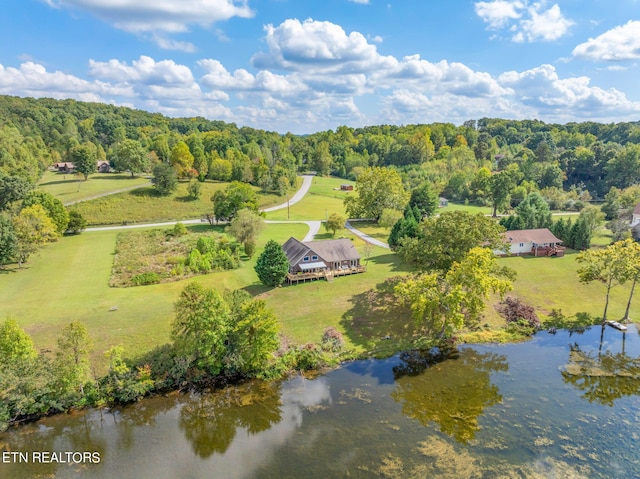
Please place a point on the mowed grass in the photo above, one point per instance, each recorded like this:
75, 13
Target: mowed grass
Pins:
70, 188
323, 199
552, 283
372, 229
69, 279
144, 205
485, 210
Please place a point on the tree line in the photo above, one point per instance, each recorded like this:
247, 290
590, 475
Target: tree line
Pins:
216, 337
578, 157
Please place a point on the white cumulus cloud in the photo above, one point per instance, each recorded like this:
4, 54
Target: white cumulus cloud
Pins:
618, 44
157, 18
526, 21
499, 12
318, 46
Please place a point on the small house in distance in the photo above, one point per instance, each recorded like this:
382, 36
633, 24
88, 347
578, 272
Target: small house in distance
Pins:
64, 167
443, 202
321, 259
635, 217
538, 242
346, 187
104, 166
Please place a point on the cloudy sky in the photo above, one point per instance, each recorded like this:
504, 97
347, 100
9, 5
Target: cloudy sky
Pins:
309, 65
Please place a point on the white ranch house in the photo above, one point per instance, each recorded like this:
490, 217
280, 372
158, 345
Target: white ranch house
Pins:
538, 242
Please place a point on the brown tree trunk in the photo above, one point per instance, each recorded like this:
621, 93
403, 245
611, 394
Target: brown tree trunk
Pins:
626, 313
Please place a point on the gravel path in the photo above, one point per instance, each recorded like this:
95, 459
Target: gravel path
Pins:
366, 237
298, 195
114, 192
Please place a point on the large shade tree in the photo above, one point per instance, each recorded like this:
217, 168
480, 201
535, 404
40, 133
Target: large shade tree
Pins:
233, 198
377, 188
129, 155
447, 238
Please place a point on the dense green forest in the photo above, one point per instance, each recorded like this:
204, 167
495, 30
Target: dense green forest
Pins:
583, 159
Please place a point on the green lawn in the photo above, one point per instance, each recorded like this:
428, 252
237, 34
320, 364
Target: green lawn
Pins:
372, 229
485, 210
144, 205
69, 188
69, 280
323, 199
549, 283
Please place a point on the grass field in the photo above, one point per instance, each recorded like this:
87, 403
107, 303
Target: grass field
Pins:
549, 283
144, 205
69, 188
69, 280
485, 210
323, 199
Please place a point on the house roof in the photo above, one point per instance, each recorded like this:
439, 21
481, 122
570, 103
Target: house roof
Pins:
294, 250
539, 235
328, 250
636, 210
334, 250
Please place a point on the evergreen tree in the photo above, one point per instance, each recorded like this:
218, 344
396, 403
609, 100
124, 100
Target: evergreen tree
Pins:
165, 179
272, 265
579, 237
424, 200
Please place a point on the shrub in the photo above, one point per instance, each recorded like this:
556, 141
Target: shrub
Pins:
513, 310
179, 229
332, 340
145, 278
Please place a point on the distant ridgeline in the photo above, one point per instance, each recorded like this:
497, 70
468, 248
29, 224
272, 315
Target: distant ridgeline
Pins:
581, 157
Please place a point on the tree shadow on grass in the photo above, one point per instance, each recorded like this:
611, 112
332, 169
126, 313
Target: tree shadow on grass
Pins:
257, 289
377, 322
145, 191
185, 199
391, 259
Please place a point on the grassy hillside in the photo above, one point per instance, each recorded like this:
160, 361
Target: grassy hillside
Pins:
72, 188
323, 199
144, 205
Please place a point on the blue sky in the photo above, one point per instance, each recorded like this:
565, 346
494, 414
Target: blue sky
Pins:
307, 65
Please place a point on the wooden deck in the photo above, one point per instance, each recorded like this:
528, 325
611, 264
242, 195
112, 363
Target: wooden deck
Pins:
326, 275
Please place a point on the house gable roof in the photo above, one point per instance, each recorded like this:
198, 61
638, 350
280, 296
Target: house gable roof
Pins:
334, 250
538, 236
328, 250
294, 250
636, 210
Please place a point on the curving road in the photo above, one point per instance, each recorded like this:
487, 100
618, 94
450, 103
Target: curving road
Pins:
314, 226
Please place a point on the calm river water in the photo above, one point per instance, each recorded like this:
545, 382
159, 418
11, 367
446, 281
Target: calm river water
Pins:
559, 406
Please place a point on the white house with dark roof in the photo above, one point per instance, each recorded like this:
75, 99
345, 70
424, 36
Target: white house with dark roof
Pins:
538, 242
635, 217
321, 259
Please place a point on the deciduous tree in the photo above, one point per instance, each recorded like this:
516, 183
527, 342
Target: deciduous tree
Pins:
447, 238
33, 228
608, 266
377, 188
129, 155
53, 207
233, 198
445, 303
334, 223
245, 227
201, 326
84, 158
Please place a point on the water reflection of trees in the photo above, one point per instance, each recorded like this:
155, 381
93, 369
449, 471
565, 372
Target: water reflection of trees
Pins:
210, 421
602, 377
452, 393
